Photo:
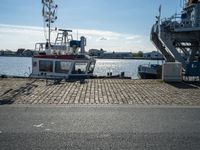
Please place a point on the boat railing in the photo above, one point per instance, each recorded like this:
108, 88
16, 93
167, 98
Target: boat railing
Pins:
145, 65
174, 22
149, 65
40, 46
185, 19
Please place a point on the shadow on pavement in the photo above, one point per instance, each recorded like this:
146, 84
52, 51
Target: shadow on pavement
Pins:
6, 102
185, 85
9, 96
58, 82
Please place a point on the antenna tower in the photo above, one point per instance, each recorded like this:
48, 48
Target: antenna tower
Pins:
49, 14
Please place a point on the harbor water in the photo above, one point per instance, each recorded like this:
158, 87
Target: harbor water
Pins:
21, 66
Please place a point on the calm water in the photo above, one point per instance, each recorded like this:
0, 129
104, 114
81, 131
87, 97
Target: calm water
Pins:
21, 66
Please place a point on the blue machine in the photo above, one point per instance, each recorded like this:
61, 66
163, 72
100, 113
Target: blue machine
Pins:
75, 43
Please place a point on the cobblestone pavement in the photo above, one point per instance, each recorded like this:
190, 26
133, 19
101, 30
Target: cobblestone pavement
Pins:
99, 91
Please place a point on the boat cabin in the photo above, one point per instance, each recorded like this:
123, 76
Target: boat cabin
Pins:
62, 66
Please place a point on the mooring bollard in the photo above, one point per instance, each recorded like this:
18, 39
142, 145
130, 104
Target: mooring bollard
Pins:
122, 74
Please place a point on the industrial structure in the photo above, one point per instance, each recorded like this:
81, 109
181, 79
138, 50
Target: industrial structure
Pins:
178, 37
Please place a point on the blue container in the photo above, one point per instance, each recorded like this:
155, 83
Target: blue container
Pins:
75, 43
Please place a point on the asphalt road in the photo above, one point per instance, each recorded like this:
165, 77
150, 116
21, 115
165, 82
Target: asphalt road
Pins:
99, 127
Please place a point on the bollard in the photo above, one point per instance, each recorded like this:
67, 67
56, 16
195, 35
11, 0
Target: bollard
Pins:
122, 74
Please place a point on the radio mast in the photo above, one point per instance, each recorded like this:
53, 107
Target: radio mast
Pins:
49, 15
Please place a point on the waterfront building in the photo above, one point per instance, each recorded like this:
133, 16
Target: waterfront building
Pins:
8, 53
153, 55
117, 55
20, 51
96, 52
1, 53
28, 53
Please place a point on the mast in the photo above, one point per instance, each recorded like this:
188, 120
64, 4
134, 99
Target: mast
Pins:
48, 13
49, 25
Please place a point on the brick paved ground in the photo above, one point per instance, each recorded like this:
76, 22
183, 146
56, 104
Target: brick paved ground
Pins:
99, 91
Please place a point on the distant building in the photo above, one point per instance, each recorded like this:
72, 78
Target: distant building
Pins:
9, 53
28, 53
1, 53
20, 52
117, 55
96, 52
153, 55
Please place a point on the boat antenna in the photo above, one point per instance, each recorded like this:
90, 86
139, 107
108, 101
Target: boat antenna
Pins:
49, 15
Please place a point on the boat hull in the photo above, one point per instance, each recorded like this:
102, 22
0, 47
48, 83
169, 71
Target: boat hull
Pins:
148, 76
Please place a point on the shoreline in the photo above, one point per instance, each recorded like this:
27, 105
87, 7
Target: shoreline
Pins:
134, 58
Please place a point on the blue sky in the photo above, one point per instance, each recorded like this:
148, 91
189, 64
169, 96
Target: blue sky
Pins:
131, 18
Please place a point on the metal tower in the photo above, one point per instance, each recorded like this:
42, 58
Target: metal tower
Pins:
49, 14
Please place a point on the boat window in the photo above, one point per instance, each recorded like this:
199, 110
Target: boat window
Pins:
91, 68
62, 67
80, 68
46, 66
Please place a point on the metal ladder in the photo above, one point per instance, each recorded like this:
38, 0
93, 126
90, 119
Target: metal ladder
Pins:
59, 39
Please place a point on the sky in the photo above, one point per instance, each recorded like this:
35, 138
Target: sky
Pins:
113, 25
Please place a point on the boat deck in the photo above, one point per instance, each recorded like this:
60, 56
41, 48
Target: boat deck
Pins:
99, 91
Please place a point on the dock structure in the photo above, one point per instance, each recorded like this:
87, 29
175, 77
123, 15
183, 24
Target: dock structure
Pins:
99, 91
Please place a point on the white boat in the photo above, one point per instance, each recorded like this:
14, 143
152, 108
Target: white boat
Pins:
65, 58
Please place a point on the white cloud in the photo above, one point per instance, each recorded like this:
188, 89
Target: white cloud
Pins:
134, 37
14, 37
